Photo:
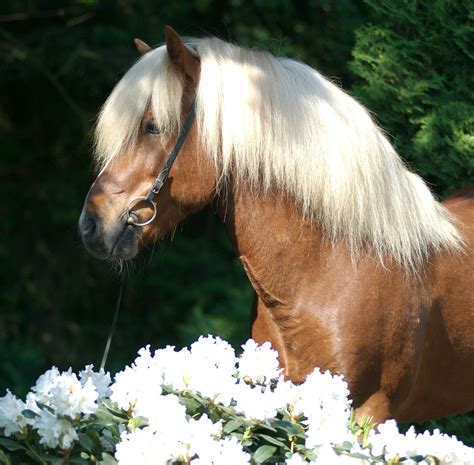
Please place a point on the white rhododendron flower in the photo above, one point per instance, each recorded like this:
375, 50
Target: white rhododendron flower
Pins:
64, 393
58, 399
127, 388
44, 384
142, 446
327, 456
228, 452
389, 442
175, 367
174, 438
324, 402
71, 398
101, 380
165, 414
258, 363
202, 405
11, 414
255, 403
55, 432
296, 459
212, 369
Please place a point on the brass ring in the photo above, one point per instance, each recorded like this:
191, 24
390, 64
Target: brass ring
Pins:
134, 202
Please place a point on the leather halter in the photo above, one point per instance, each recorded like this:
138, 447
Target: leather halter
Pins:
163, 175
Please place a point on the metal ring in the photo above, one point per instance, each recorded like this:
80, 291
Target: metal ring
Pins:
134, 202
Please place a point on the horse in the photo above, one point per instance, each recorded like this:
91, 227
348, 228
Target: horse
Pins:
356, 267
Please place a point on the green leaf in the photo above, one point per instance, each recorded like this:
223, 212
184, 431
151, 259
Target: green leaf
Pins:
114, 410
108, 415
44, 407
267, 426
86, 442
107, 459
11, 445
263, 453
46, 458
192, 405
292, 429
233, 425
27, 413
272, 440
4, 459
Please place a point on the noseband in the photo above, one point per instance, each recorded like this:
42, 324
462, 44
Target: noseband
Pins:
162, 176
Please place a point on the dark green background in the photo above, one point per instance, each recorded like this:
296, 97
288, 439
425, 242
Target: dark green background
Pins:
411, 64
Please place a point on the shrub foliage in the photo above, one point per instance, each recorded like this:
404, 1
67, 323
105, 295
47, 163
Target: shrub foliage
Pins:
415, 61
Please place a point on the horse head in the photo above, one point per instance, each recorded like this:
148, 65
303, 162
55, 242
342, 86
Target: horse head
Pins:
115, 222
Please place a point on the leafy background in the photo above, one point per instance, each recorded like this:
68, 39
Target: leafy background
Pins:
409, 62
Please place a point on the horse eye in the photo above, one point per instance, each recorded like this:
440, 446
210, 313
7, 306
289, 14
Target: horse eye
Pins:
151, 128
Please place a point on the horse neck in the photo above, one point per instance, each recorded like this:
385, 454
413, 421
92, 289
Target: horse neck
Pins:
271, 239
285, 256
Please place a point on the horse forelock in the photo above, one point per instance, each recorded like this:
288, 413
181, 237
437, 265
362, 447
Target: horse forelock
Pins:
151, 83
276, 123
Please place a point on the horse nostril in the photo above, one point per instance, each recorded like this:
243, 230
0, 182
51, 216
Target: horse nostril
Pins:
87, 226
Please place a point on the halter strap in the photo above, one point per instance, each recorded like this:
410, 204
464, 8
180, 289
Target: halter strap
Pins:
163, 174
161, 178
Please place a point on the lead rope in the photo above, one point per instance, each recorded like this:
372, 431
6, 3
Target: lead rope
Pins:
114, 322
159, 181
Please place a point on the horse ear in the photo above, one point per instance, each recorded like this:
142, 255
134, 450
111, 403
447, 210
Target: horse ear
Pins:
142, 47
180, 55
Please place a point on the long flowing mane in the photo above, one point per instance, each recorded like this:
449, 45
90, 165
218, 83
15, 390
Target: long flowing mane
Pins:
277, 124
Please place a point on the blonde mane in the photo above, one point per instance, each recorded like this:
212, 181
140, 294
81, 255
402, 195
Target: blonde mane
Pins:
276, 123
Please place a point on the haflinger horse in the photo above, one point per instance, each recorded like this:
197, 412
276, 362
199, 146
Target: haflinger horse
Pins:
356, 268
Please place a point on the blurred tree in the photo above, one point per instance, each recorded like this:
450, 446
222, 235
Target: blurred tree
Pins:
415, 61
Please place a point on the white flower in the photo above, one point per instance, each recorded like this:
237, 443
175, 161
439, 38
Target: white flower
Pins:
11, 414
126, 388
203, 436
388, 441
225, 452
204, 428
216, 352
327, 456
64, 393
295, 459
44, 384
324, 402
138, 385
255, 402
252, 384
55, 432
208, 369
258, 363
212, 369
174, 367
101, 380
165, 415
144, 447
287, 397
70, 398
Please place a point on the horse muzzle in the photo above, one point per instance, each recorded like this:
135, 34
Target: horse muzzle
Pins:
108, 241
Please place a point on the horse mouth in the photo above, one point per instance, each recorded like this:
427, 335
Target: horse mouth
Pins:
126, 246
105, 245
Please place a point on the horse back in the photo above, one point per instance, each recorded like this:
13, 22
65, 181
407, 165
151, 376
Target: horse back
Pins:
464, 194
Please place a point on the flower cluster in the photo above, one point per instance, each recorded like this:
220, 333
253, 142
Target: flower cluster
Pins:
54, 405
203, 405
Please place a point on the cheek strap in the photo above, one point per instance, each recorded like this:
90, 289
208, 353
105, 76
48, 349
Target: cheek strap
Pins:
163, 174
